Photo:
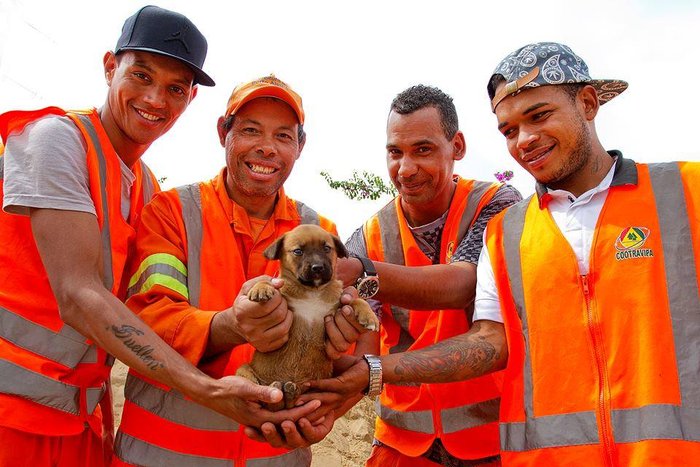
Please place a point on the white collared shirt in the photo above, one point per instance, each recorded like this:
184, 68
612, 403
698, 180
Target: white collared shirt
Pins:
576, 219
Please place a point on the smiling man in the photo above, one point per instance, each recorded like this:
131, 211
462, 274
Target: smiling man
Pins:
73, 188
420, 253
199, 249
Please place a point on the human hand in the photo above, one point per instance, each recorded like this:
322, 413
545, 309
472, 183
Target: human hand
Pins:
290, 435
348, 270
342, 328
264, 324
242, 400
341, 392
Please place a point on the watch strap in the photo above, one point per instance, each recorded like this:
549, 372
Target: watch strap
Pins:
375, 375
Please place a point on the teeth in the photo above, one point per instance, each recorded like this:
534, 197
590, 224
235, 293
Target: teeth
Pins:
261, 169
148, 116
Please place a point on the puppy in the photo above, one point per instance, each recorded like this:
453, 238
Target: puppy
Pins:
307, 257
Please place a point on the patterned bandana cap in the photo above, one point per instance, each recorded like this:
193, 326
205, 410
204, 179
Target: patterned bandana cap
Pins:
548, 63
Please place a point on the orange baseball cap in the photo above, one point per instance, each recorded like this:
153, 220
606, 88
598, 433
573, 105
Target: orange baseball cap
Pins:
267, 86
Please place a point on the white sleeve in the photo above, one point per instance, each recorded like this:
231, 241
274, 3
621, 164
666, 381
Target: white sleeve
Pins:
46, 167
486, 304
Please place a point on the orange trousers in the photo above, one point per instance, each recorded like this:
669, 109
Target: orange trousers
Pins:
22, 449
386, 456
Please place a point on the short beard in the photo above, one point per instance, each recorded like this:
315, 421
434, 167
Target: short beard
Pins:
577, 160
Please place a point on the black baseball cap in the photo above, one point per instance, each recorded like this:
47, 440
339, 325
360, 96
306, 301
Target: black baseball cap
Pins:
164, 32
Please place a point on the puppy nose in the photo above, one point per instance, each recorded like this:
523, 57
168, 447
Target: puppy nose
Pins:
317, 268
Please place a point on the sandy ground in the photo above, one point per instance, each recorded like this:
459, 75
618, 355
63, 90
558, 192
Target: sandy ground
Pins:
347, 445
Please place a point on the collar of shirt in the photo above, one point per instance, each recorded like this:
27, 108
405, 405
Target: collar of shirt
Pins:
562, 199
238, 216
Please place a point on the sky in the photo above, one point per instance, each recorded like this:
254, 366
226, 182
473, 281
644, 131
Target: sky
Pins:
349, 59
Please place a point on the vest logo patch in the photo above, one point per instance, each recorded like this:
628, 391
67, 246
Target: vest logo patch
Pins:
450, 251
629, 244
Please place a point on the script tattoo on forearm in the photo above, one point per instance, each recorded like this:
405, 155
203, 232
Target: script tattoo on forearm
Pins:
127, 335
451, 360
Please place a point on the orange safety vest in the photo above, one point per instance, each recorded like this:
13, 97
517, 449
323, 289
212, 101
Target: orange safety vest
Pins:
604, 368
160, 426
464, 415
52, 377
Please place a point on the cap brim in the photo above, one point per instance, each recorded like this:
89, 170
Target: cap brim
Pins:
275, 92
608, 89
200, 77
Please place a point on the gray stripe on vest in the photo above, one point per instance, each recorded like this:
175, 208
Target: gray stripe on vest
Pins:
550, 431
513, 226
66, 346
681, 276
94, 396
2, 168
477, 192
297, 458
406, 340
470, 416
134, 451
19, 381
308, 215
147, 188
191, 200
418, 421
391, 236
158, 268
108, 278
172, 406
658, 421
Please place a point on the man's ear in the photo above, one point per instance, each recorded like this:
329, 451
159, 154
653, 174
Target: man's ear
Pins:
275, 250
222, 131
193, 94
587, 97
340, 249
109, 63
459, 144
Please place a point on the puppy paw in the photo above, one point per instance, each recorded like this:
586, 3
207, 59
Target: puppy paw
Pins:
291, 394
261, 292
365, 315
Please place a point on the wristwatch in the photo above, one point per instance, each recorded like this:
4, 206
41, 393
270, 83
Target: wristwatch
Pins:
368, 284
375, 375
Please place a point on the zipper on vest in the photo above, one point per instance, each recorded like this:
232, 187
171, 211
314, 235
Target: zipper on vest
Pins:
603, 402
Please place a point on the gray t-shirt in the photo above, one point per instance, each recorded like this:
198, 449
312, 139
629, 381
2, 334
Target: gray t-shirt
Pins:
46, 167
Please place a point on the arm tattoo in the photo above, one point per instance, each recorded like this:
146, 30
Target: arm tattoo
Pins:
127, 335
454, 359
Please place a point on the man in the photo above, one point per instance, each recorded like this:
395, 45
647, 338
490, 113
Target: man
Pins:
423, 247
77, 181
594, 279
199, 248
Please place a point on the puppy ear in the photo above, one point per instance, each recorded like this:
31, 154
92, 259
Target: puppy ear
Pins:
340, 249
275, 250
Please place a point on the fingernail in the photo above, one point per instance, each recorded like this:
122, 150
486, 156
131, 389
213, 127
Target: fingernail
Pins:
328, 319
347, 311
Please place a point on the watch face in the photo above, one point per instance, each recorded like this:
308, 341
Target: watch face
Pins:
368, 287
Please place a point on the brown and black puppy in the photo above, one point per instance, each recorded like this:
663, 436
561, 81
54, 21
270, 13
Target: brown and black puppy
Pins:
307, 257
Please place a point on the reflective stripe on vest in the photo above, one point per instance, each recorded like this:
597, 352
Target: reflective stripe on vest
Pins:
148, 189
67, 346
172, 406
108, 276
20, 381
653, 421
453, 419
159, 269
134, 451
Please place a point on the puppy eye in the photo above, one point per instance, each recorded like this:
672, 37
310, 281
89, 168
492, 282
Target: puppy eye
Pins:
326, 248
297, 252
